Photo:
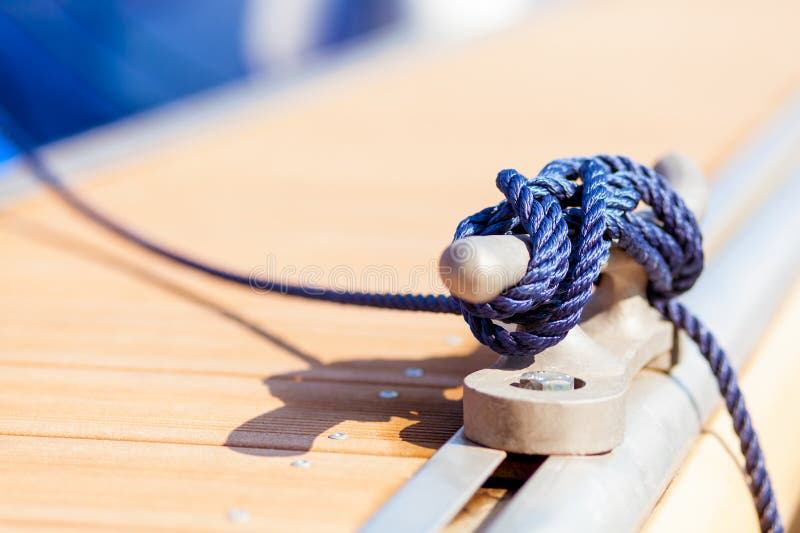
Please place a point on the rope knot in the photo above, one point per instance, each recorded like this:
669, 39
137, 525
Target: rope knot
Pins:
573, 211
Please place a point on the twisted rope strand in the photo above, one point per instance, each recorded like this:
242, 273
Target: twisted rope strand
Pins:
574, 210
758, 478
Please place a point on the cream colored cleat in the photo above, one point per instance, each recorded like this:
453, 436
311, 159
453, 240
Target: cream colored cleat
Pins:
571, 398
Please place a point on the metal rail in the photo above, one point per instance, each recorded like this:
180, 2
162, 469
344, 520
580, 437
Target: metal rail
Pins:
446, 481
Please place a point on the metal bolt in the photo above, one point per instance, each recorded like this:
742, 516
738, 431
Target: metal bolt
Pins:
388, 394
414, 372
453, 340
238, 515
546, 380
301, 463
338, 436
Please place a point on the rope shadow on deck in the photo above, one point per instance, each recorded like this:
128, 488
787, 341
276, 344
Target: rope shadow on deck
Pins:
434, 409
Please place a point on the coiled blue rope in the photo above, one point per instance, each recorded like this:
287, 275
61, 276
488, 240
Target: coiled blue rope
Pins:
574, 211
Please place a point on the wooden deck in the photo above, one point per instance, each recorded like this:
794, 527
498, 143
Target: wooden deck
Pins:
135, 395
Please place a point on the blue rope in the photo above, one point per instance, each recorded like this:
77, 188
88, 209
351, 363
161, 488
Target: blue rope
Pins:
755, 466
574, 210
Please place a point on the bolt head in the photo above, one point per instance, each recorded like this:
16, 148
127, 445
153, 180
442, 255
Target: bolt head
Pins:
454, 340
238, 516
546, 380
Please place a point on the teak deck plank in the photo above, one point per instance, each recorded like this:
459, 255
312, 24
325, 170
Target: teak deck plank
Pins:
118, 486
197, 409
148, 368
109, 307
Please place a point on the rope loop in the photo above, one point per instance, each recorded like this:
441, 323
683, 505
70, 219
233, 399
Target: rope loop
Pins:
574, 210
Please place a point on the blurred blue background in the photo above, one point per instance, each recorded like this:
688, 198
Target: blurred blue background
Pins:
70, 65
